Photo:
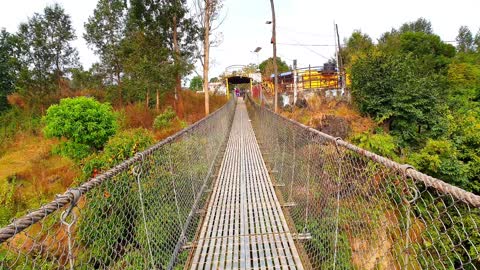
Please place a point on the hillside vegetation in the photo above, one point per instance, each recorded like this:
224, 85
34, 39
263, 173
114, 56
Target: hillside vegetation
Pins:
415, 99
125, 102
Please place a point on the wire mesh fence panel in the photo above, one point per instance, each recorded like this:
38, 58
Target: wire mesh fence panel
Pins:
138, 215
352, 209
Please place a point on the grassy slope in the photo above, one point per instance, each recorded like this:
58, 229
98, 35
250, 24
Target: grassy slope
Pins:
34, 175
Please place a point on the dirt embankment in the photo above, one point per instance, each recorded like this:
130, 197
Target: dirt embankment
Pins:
334, 117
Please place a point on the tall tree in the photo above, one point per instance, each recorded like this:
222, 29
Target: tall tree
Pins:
464, 40
420, 25
105, 31
396, 92
476, 41
181, 33
7, 68
147, 66
168, 22
433, 54
208, 12
47, 51
357, 45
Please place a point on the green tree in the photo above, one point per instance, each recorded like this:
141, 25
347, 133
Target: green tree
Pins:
464, 40
250, 68
169, 23
105, 31
266, 67
85, 79
86, 123
357, 45
395, 92
46, 52
147, 67
181, 34
433, 54
476, 41
7, 68
196, 83
420, 25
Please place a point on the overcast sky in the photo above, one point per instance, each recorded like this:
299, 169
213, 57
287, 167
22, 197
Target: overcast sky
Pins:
299, 22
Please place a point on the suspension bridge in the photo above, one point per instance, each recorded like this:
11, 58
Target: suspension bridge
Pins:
245, 188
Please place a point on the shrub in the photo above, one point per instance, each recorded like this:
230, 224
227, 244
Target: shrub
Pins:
73, 150
380, 143
120, 147
164, 120
102, 233
83, 121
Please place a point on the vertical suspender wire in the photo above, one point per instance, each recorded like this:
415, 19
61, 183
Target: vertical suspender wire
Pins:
280, 179
187, 153
339, 178
289, 199
310, 141
174, 186
409, 203
138, 172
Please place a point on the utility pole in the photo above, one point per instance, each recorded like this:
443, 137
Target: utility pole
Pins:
339, 59
294, 82
275, 69
206, 50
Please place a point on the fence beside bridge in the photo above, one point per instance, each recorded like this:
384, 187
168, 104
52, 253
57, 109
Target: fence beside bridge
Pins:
353, 209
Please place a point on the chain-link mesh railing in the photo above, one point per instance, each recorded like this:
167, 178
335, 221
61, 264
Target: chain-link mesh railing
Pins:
138, 215
352, 209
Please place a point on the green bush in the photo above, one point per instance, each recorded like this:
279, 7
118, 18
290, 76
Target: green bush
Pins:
119, 148
73, 150
164, 120
380, 143
83, 121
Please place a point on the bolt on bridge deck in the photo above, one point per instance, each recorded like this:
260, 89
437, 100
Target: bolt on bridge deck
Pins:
244, 227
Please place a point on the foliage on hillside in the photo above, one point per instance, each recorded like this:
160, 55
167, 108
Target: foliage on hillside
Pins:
31, 174
426, 96
86, 124
421, 99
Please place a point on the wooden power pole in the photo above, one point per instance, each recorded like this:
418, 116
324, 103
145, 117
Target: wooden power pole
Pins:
275, 68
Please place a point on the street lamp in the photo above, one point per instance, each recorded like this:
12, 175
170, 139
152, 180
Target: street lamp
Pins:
256, 52
258, 64
274, 43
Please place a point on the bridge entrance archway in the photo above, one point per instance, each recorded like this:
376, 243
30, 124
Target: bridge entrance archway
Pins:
238, 79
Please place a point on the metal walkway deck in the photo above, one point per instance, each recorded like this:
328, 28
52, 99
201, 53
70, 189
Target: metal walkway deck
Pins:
244, 227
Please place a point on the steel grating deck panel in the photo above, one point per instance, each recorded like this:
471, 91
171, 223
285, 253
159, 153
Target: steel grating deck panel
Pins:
244, 227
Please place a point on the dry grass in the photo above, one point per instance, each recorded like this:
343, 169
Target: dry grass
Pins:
138, 116
318, 108
190, 109
38, 175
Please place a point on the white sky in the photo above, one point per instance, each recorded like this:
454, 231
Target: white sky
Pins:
298, 21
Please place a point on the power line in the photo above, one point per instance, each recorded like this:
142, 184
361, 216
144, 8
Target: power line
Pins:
307, 45
307, 48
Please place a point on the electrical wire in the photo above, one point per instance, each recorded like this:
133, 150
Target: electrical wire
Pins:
307, 45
